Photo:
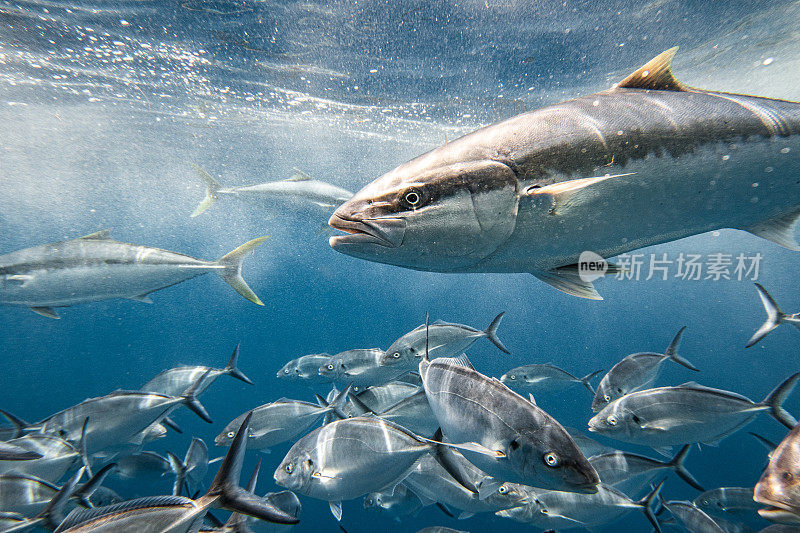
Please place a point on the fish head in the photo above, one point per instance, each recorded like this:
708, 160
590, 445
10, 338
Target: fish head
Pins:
371, 500
295, 472
330, 370
512, 495
401, 353
552, 460
606, 393
441, 218
289, 371
779, 486
226, 436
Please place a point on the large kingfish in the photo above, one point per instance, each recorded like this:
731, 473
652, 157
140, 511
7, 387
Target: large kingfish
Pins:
94, 268
648, 161
779, 486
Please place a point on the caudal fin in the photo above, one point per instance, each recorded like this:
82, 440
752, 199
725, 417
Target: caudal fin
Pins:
776, 398
233, 371
774, 316
226, 491
212, 187
646, 504
491, 332
672, 352
232, 273
585, 380
676, 464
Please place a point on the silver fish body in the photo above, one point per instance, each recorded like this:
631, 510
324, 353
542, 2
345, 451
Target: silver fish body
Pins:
528, 446
537, 378
395, 503
274, 423
96, 268
692, 518
689, 413
730, 502
141, 465
516, 196
57, 456
349, 458
305, 368
630, 472
359, 367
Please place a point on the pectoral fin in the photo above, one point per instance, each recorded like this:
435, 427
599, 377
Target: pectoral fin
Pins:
336, 510
569, 283
49, 312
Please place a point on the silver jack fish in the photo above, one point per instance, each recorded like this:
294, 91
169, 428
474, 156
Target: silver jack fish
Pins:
94, 268
304, 368
779, 486
775, 317
543, 378
635, 372
629, 472
648, 161
692, 518
688, 413
298, 186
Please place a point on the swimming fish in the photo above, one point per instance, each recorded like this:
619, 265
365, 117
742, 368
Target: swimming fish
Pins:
688, 413
526, 444
174, 381
94, 268
413, 413
543, 378
395, 503
532, 193
775, 317
443, 340
54, 456
299, 186
190, 472
731, 502
142, 464
359, 368
628, 472
304, 368
175, 514
635, 372
692, 518
779, 486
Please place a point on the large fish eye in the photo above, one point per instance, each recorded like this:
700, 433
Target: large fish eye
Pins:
412, 198
231, 434
512, 376
612, 420
606, 397
285, 370
543, 511
396, 355
503, 489
288, 468
551, 459
330, 367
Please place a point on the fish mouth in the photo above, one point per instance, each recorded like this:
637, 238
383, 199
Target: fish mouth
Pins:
780, 515
387, 232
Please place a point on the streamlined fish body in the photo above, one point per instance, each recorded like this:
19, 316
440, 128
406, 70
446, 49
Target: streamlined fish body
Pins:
646, 162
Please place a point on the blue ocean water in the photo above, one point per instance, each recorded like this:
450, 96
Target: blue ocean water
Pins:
104, 105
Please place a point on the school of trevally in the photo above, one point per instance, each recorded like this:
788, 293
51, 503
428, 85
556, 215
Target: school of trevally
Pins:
447, 266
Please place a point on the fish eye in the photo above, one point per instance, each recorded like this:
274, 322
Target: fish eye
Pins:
231, 434
787, 476
412, 197
288, 468
503, 489
606, 397
543, 511
285, 370
330, 367
551, 459
396, 355
612, 420
512, 376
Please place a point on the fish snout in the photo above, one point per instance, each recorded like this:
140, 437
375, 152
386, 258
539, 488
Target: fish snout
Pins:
387, 232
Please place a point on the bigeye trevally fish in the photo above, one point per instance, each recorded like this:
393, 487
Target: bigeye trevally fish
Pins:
441, 339
524, 443
692, 518
175, 514
544, 378
304, 368
775, 317
299, 186
635, 372
629, 472
359, 367
531, 193
728, 502
393, 503
779, 486
94, 268
688, 413
174, 381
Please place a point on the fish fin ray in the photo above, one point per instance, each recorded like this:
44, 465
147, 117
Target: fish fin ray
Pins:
655, 75
569, 283
102, 235
48, 312
779, 229
298, 175
232, 271
212, 187
336, 510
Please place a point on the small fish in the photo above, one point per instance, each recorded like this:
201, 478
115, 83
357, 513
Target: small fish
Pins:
688, 413
413, 413
279, 421
142, 464
304, 368
635, 372
190, 472
174, 381
359, 367
779, 486
625, 470
543, 378
55, 456
175, 514
692, 518
444, 340
94, 268
395, 503
381, 397
350, 458
299, 186
775, 317
731, 502
552, 509
525, 444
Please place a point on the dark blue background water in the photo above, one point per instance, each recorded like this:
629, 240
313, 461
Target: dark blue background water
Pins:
104, 104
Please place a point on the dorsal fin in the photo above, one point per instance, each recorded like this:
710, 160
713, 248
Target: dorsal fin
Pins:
655, 75
101, 235
298, 175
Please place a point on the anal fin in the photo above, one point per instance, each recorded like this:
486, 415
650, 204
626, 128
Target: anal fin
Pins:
569, 283
779, 229
49, 312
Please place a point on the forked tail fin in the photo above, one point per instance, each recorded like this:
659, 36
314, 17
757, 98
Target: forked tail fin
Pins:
646, 504
491, 332
212, 187
776, 398
232, 271
587, 378
672, 351
676, 464
774, 316
233, 370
